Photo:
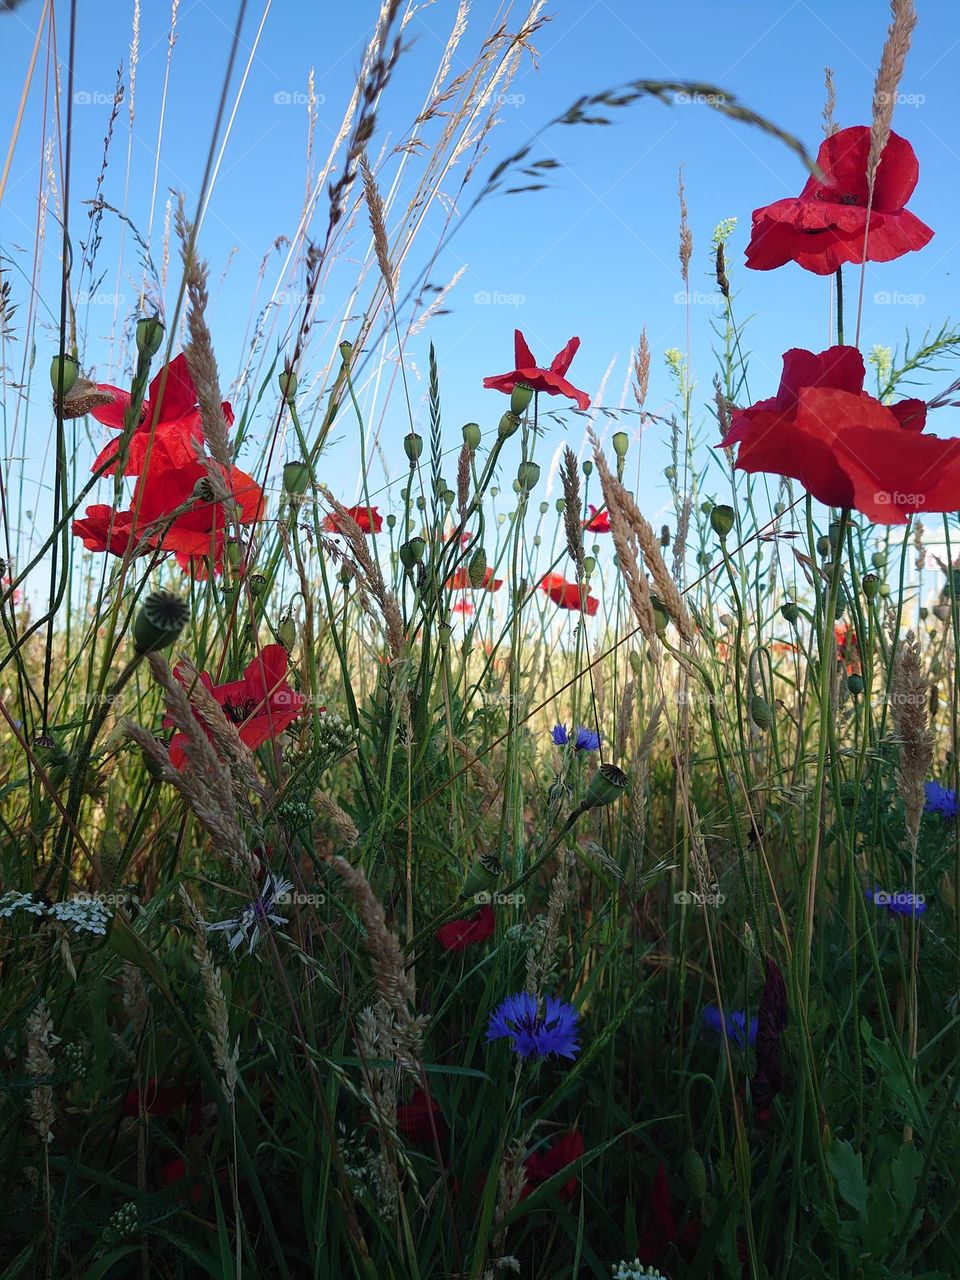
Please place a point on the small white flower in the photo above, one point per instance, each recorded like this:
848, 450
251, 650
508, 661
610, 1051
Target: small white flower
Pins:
16, 901
634, 1271
84, 914
261, 913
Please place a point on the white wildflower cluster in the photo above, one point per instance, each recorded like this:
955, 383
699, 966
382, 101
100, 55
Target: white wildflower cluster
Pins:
634, 1271
333, 738
85, 914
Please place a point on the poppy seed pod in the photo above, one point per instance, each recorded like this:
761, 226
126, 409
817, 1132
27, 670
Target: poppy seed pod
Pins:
508, 425
287, 381
444, 634
855, 684
482, 876
477, 569
823, 547
257, 584
159, 622
471, 435
871, 585
606, 785
296, 477
412, 552
520, 398
528, 473
790, 612
620, 442
670, 473
589, 564
722, 520
413, 446
346, 351
587, 467
760, 712
149, 335
65, 368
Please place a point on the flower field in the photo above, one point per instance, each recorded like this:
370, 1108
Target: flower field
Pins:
446, 851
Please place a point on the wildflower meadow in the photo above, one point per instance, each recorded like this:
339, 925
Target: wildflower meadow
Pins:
473, 802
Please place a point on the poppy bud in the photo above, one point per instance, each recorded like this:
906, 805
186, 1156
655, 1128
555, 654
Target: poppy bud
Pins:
149, 335
636, 662
871, 585
471, 435
879, 560
722, 521
695, 1174
296, 477
760, 712
412, 552
823, 547
66, 368
779, 508
924, 613
482, 876
665, 536
287, 632
707, 507
855, 684
790, 612
670, 473
606, 785
620, 442
287, 382
544, 508
413, 446
520, 398
528, 473
257, 584
508, 425
660, 616
884, 589
477, 568
161, 618
346, 351
203, 490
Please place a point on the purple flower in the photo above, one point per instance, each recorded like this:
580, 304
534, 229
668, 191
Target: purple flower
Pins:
535, 1034
584, 739
940, 800
736, 1025
898, 904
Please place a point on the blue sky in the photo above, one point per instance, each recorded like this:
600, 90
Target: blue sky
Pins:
594, 255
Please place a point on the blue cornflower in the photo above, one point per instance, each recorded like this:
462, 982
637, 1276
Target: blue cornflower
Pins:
535, 1034
584, 739
898, 904
736, 1025
940, 800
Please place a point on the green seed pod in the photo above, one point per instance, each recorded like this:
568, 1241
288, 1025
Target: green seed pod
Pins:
924, 613
444, 632
159, 622
448, 498
544, 508
706, 507
149, 335
528, 474
589, 564
508, 425
823, 547
835, 533
287, 382
760, 712
561, 506
636, 662
287, 632
722, 520
620, 442
670, 473
871, 585
233, 554
477, 569
413, 446
65, 367
879, 559
660, 616
257, 583
884, 589
587, 467
855, 684
482, 876
346, 351
790, 612
695, 1174
471, 435
779, 508
412, 552
607, 784
520, 398
296, 477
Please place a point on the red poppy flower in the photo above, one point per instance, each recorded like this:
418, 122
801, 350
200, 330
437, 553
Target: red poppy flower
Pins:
599, 521
419, 1118
566, 595
845, 447
462, 606
459, 580
848, 650
826, 224
261, 703
660, 1227
175, 1171
551, 381
104, 529
460, 934
542, 1165
368, 518
170, 412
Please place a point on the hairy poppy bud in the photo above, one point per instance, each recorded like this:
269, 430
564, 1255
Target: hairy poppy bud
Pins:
855, 684
508, 425
65, 368
287, 632
149, 335
477, 569
660, 616
161, 618
471, 435
760, 712
296, 477
620, 442
606, 785
482, 876
722, 520
790, 612
528, 473
412, 552
413, 446
520, 398
871, 586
